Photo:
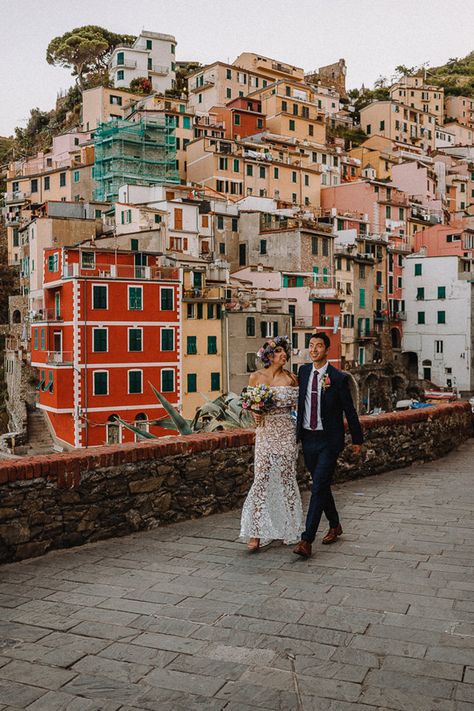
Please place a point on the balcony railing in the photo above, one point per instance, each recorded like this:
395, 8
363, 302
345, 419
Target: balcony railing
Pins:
46, 315
120, 271
398, 316
126, 64
159, 69
16, 196
59, 357
365, 333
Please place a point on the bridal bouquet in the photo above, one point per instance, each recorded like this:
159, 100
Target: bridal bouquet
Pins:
258, 398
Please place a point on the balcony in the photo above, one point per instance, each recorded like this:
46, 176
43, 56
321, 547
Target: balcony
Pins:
126, 64
159, 69
207, 83
16, 196
379, 316
59, 357
120, 271
46, 315
398, 316
364, 334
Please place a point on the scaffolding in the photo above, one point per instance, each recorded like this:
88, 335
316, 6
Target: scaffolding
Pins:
136, 153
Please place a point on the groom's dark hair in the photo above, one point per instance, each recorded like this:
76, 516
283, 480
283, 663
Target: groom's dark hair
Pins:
323, 337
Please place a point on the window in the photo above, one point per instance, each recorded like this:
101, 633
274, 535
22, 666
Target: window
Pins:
325, 247
99, 297
263, 246
167, 381
192, 382
34, 185
293, 176
249, 169
134, 245
382, 125
421, 317
87, 260
135, 382
368, 130
438, 346
199, 311
47, 182
191, 348
236, 119
228, 74
35, 338
420, 293
135, 298
101, 382
53, 262
306, 180
388, 212
259, 123
378, 278
314, 244
284, 106
212, 345
149, 44
401, 213
135, 339
250, 326
236, 165
361, 271
220, 222
76, 176
262, 171
276, 173
441, 292
362, 298
120, 75
228, 93
221, 247
43, 339
99, 340
215, 381
167, 339
120, 58
311, 129
418, 269
234, 224
291, 125
210, 311
441, 316
62, 180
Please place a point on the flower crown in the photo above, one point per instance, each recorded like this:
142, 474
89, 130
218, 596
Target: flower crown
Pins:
270, 347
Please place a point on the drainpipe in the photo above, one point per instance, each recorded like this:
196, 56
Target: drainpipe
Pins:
86, 387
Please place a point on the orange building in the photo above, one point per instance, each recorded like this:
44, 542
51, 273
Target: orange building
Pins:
241, 117
110, 326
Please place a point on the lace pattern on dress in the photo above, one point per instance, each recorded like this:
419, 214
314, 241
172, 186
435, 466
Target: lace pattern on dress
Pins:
272, 509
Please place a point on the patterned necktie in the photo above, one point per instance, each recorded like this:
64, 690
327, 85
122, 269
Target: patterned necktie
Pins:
314, 401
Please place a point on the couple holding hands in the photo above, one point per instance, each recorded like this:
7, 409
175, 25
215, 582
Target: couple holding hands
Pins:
272, 509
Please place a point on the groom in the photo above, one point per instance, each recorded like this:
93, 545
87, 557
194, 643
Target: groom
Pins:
323, 398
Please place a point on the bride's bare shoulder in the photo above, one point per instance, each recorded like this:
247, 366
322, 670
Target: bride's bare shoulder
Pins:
255, 379
292, 377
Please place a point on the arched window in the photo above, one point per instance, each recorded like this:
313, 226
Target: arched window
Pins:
114, 434
141, 423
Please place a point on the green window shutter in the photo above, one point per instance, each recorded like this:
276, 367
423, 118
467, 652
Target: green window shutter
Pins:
167, 381
134, 381
197, 280
285, 281
441, 292
325, 275
100, 383
236, 165
276, 173
186, 122
167, 339
215, 381
421, 317
57, 304
210, 311
250, 326
362, 298
191, 348
192, 382
299, 281
199, 310
99, 297
441, 316
51, 263
420, 293
249, 169
212, 345
135, 339
367, 325
35, 338
100, 340
418, 269
167, 299
135, 298
134, 245
43, 339
219, 311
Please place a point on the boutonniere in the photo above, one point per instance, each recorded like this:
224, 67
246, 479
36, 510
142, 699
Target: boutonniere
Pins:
325, 381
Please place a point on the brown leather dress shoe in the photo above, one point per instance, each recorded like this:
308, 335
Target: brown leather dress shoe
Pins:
303, 549
332, 535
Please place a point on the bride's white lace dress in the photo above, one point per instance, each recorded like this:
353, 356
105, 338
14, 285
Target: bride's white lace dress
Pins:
272, 509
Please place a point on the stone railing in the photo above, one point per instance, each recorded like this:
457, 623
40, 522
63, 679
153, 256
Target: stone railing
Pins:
67, 499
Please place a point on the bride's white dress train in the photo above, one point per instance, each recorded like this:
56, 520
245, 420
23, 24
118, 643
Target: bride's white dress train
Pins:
272, 509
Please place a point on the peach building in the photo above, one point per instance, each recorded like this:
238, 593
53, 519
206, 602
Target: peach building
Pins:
218, 83
400, 123
456, 238
102, 104
459, 109
272, 68
463, 135
415, 93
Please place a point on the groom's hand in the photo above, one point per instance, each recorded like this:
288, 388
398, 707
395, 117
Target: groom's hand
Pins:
356, 449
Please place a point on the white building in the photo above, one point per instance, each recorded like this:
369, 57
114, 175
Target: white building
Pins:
439, 295
152, 55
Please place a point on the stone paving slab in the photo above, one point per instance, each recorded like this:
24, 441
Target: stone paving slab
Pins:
184, 619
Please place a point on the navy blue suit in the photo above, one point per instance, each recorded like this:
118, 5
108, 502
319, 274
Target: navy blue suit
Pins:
321, 448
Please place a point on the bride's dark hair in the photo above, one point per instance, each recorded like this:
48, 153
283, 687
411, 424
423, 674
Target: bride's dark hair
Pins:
269, 348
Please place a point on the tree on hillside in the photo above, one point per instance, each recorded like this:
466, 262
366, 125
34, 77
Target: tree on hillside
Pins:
85, 50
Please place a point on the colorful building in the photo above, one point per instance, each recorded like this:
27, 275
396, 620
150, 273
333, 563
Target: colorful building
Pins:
110, 326
152, 56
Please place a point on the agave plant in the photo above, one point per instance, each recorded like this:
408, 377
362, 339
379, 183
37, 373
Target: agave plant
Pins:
223, 413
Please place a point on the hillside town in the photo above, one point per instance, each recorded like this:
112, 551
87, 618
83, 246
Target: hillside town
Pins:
175, 228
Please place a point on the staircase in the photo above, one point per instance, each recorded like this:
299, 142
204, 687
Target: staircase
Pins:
39, 438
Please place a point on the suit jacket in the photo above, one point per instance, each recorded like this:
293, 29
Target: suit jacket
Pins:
336, 401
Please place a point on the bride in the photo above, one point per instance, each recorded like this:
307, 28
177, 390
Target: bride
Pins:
272, 509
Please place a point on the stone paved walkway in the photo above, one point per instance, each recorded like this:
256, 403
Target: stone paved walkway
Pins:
182, 618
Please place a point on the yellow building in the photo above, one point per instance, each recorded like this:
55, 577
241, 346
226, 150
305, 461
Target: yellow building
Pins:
291, 110
459, 109
376, 153
102, 104
272, 167
415, 93
203, 344
218, 83
399, 123
271, 68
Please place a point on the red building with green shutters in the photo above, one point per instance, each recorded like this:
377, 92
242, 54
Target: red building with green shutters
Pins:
110, 326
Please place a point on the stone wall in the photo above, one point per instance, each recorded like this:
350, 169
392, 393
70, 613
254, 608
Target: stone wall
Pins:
77, 497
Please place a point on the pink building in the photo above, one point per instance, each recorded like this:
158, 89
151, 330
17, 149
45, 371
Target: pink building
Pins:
446, 240
418, 180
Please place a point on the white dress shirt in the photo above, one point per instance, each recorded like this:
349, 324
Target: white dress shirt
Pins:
307, 409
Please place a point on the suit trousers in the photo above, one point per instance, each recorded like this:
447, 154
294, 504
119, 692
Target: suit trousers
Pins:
320, 459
